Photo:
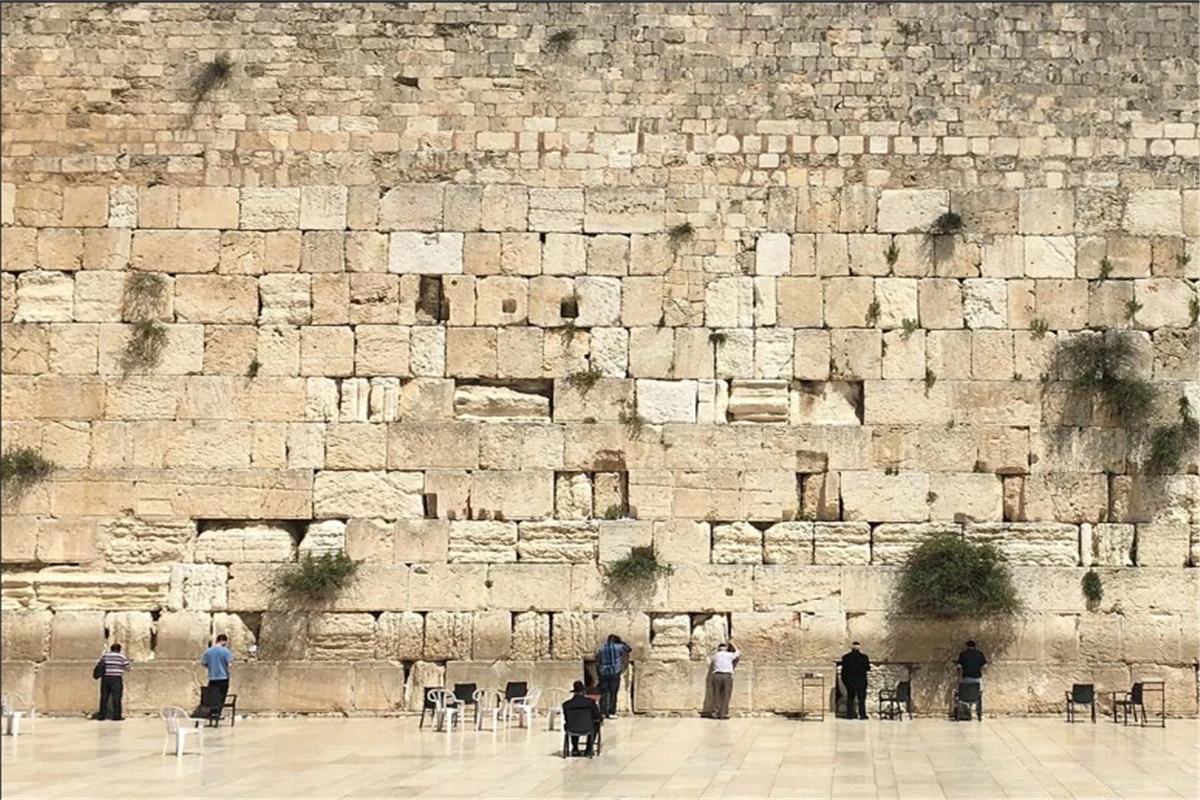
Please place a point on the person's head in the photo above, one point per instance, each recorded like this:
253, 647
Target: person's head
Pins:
970, 644
222, 639
116, 648
614, 639
854, 645
722, 647
578, 687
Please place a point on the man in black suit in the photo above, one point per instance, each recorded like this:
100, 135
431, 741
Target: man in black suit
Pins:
581, 702
855, 666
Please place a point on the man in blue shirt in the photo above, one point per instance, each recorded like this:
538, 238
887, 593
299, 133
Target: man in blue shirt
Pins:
217, 658
610, 663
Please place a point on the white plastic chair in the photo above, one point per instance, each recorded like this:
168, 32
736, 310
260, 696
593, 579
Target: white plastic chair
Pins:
490, 703
554, 700
523, 708
177, 719
12, 707
445, 708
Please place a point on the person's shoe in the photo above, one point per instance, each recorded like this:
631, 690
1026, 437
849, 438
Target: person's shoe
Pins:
118, 719
98, 718
575, 754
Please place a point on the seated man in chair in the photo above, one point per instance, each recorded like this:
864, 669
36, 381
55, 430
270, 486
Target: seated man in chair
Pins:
581, 706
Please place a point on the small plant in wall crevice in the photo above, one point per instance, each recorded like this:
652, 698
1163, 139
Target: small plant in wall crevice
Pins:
947, 223
1171, 444
212, 76
143, 352
22, 468
584, 380
318, 578
560, 42
678, 234
1092, 588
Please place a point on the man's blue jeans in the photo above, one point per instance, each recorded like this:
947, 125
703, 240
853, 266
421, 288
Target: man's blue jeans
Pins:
609, 686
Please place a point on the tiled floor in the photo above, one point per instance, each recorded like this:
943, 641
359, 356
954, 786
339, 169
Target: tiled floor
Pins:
757, 757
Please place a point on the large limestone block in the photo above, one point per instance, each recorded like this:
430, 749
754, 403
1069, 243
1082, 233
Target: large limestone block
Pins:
1164, 544
985, 303
513, 494
737, 543
71, 589
399, 636
841, 543
1171, 498
767, 636
879, 497
378, 687
389, 495
133, 541
66, 687
666, 401
270, 209
500, 403
44, 297
1030, 543
433, 445
341, 637
227, 494
25, 635
623, 209
708, 631
285, 299
892, 543
1065, 497
576, 636
185, 635
797, 588
422, 676
375, 587
529, 587
425, 253
826, 403
910, 210
680, 686
448, 635
66, 541
198, 587
315, 688
789, 543
482, 542
451, 586
558, 541
416, 540
283, 635
669, 637
572, 495
19, 677
679, 541
134, 630
530, 636
1154, 212
1164, 303
1112, 545
491, 635
233, 542
321, 538
77, 635
965, 497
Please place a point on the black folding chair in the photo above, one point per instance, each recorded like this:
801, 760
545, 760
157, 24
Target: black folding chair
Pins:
894, 702
966, 695
1081, 694
464, 694
1124, 702
515, 689
428, 706
580, 722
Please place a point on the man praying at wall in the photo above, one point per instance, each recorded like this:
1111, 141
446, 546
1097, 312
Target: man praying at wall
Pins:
610, 663
855, 666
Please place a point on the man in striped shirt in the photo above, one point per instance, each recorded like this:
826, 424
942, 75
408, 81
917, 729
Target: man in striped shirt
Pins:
112, 685
610, 663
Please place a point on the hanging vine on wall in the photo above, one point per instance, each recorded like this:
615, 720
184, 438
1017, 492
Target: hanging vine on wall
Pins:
22, 468
143, 301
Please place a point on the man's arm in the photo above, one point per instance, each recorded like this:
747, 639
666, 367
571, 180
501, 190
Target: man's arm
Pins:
866, 662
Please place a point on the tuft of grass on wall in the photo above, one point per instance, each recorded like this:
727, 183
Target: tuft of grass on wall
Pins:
22, 468
144, 349
1102, 367
641, 566
212, 76
561, 41
318, 578
1092, 587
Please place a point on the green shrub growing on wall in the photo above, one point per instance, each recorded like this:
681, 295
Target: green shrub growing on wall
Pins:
639, 567
1170, 444
318, 578
1102, 367
1092, 587
947, 577
22, 468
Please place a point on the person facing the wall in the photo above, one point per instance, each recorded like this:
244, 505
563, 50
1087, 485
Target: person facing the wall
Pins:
217, 659
855, 666
610, 663
721, 678
112, 668
972, 661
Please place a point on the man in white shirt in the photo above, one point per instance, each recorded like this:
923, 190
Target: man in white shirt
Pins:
720, 680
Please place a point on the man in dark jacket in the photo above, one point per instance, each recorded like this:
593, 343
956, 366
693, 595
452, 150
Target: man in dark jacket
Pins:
972, 661
581, 702
855, 666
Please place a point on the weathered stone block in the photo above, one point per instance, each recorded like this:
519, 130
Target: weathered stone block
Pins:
892, 543
737, 543
391, 495
841, 543
482, 542
558, 541
1030, 544
426, 253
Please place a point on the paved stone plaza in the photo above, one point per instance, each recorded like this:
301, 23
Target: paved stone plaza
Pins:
655, 757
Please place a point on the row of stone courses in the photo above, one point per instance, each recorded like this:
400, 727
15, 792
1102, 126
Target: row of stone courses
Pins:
763, 636
690, 589
131, 544
497, 207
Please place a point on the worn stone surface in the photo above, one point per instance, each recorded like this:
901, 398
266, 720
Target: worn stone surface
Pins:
493, 340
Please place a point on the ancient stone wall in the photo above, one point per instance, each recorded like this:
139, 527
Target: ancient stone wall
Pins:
488, 295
